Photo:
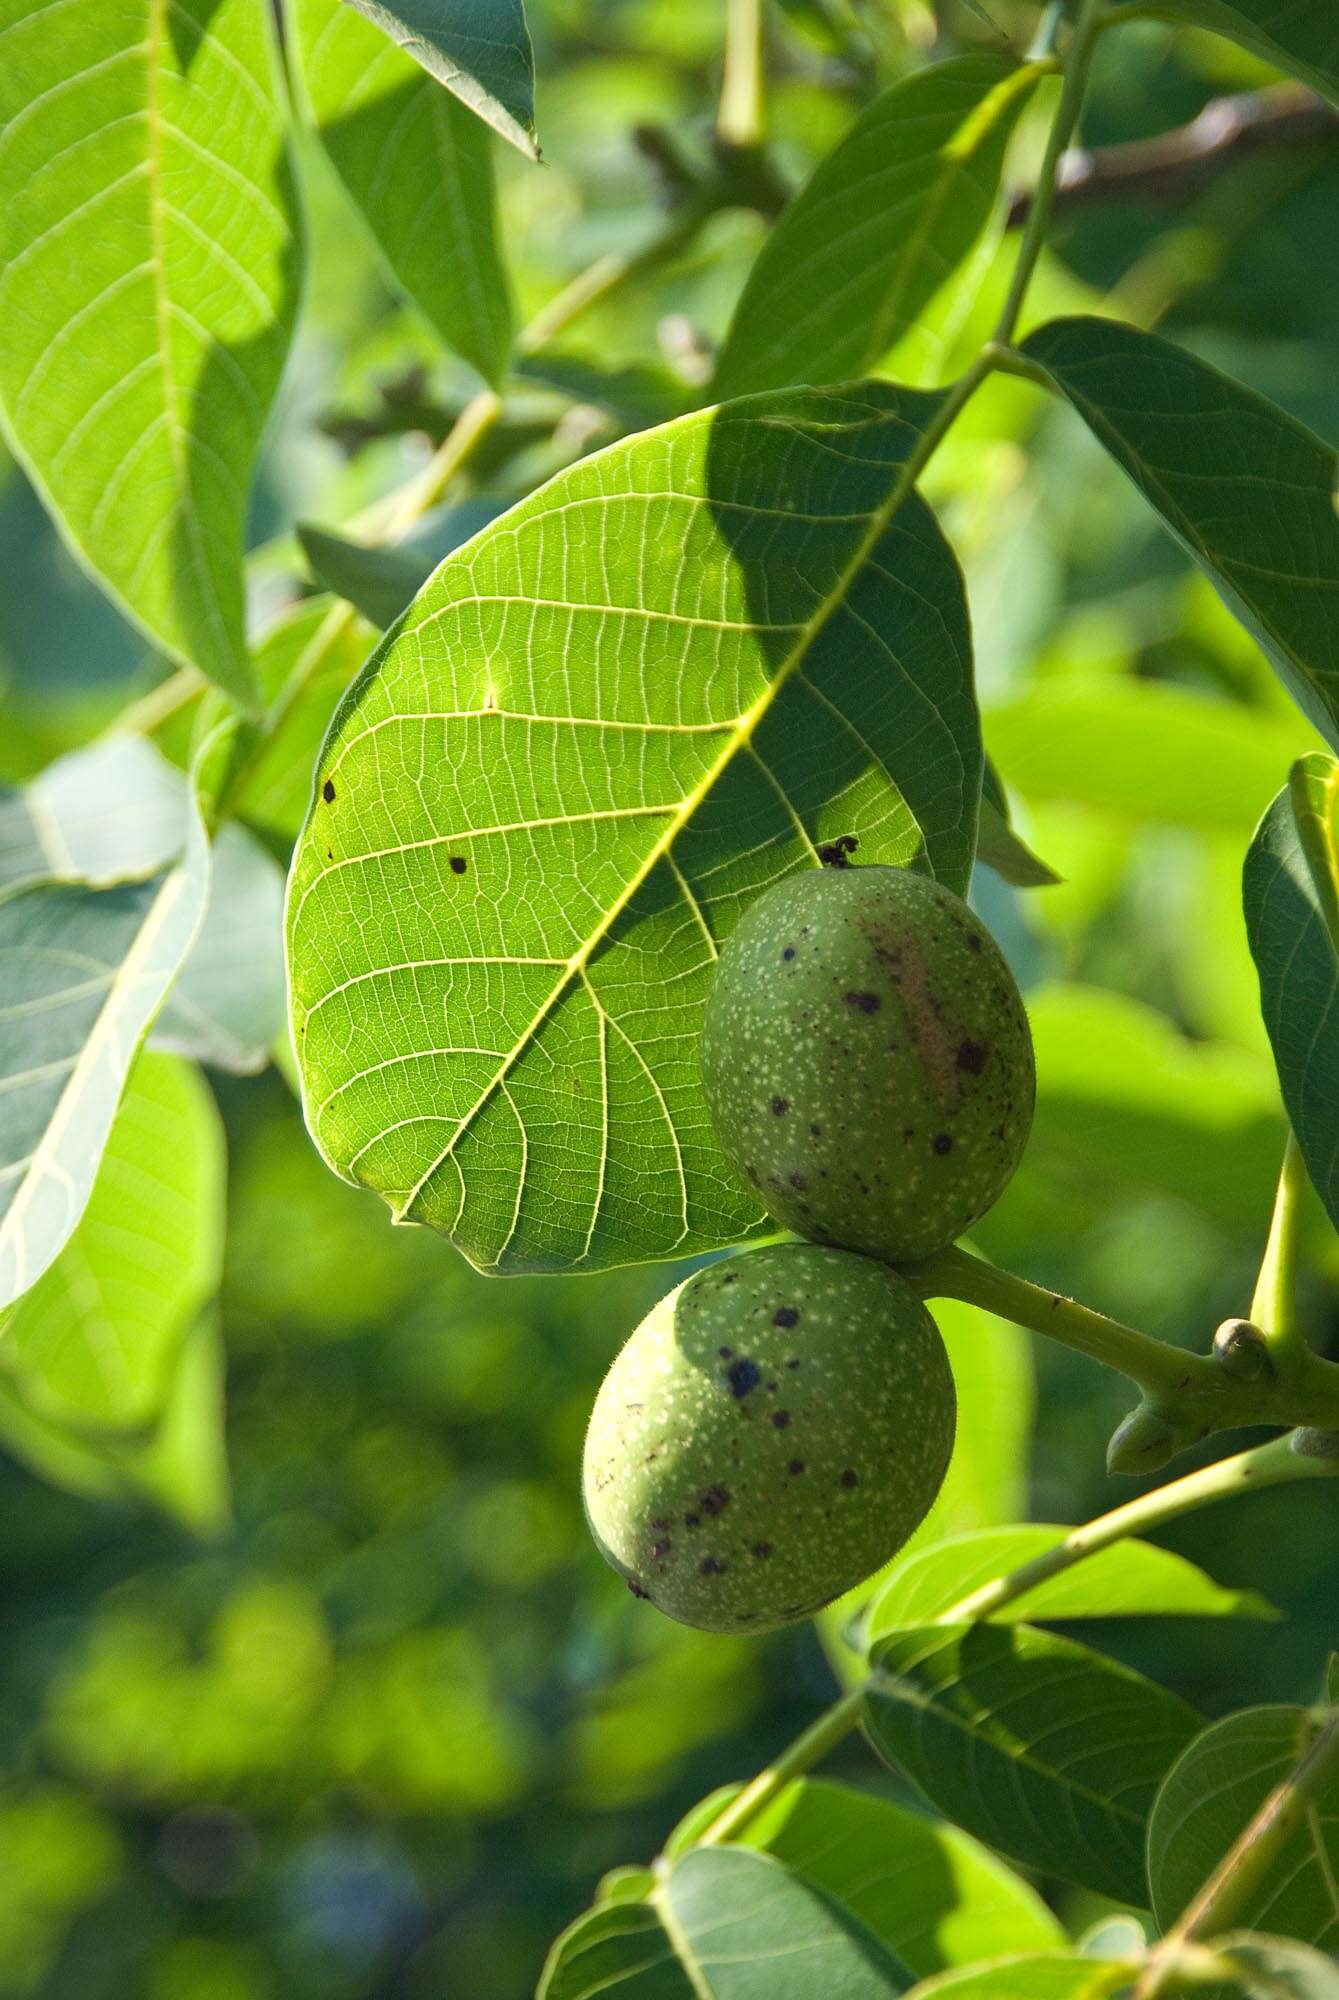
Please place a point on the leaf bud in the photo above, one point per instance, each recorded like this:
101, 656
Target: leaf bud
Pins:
1240, 1351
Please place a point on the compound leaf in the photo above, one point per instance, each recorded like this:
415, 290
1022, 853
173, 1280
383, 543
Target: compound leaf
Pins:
619, 713
885, 220
416, 163
149, 262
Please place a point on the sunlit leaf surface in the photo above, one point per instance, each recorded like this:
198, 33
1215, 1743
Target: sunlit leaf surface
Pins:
607, 724
149, 268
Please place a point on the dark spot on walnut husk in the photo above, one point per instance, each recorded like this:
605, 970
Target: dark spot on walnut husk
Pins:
715, 1500
781, 1419
741, 1377
867, 1003
837, 853
780, 1106
942, 1142
796, 1467
972, 1057
815, 1131
793, 1363
458, 864
798, 1182
729, 1277
328, 791
786, 1316
725, 1352
762, 1550
636, 1587
973, 941
691, 1520
661, 1548
788, 953
709, 1566
850, 1479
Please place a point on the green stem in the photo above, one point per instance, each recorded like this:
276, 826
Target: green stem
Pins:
740, 121
1191, 1390
808, 1748
1271, 1464
1074, 82
1274, 1305
1251, 1859
609, 274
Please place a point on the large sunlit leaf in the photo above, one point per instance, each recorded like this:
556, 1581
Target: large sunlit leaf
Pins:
416, 161
1211, 1795
613, 718
1129, 1579
1048, 1752
934, 1896
180, 1466
725, 1924
480, 50
1246, 490
1301, 36
117, 811
93, 1344
83, 972
886, 218
149, 267
1290, 893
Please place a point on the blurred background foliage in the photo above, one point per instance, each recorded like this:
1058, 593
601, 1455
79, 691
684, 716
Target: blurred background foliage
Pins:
373, 1738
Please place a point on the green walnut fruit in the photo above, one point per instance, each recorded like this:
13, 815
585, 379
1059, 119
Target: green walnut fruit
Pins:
769, 1436
867, 1060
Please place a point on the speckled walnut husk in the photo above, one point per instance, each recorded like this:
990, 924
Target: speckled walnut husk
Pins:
867, 1060
770, 1435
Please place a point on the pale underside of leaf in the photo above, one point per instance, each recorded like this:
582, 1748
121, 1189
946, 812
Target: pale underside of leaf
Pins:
481, 52
148, 283
84, 973
608, 722
92, 1344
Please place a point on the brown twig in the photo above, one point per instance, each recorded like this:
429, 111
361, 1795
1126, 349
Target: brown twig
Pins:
1176, 165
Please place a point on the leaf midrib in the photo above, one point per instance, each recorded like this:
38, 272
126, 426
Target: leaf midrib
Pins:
739, 738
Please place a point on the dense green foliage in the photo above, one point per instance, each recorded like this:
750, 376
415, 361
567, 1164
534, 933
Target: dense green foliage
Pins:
753, 473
